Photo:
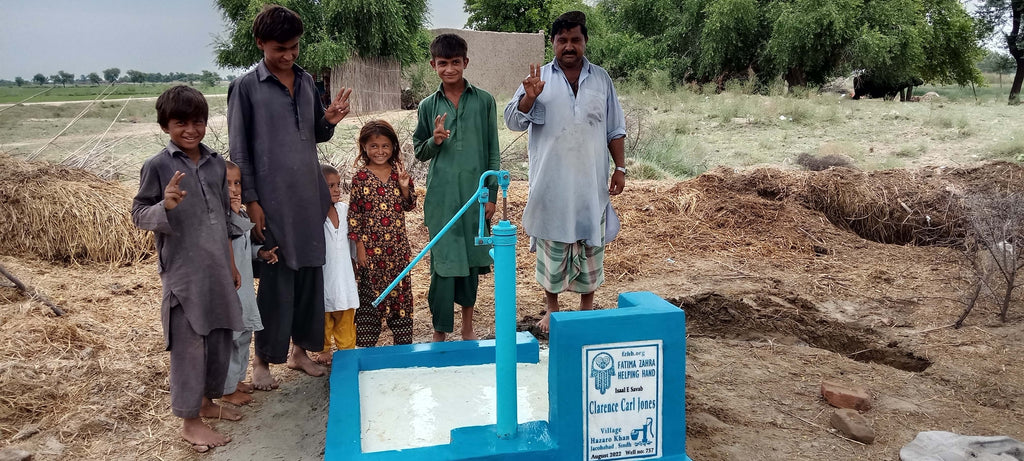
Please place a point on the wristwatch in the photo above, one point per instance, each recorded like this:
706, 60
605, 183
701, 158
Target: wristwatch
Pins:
621, 168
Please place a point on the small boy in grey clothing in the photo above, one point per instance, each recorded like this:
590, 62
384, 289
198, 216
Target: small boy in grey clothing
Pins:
236, 390
183, 199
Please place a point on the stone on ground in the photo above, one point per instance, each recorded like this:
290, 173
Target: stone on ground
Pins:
853, 425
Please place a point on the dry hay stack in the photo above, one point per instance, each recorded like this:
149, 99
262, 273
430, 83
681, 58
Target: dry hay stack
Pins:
67, 215
920, 207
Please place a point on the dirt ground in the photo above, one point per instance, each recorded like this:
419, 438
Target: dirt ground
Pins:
777, 296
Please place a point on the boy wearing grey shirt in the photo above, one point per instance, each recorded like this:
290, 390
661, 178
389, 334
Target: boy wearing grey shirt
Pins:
275, 120
183, 199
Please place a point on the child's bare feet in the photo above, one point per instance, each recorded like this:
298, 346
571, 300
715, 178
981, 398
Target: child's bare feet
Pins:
439, 336
468, 334
323, 358
201, 436
212, 410
245, 387
261, 378
298, 360
237, 398
544, 323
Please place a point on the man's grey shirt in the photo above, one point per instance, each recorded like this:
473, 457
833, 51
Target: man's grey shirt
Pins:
272, 137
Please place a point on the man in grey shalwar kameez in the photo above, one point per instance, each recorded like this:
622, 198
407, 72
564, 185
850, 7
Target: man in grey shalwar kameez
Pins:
575, 121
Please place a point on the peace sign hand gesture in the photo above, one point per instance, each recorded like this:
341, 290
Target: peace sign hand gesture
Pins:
404, 180
440, 134
173, 194
339, 108
532, 84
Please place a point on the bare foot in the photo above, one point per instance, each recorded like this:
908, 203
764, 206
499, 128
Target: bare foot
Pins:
201, 436
298, 360
543, 324
323, 358
245, 387
469, 335
261, 378
237, 398
439, 336
212, 410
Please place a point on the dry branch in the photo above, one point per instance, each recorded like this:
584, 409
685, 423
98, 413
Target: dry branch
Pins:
33, 293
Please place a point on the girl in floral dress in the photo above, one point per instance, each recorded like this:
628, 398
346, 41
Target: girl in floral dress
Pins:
382, 192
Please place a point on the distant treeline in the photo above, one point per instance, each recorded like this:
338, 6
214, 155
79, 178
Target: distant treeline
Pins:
113, 75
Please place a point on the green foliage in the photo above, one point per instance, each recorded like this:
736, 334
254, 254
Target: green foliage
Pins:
518, 15
334, 29
507, 16
997, 62
64, 78
136, 76
40, 79
94, 78
208, 78
731, 37
19, 81
950, 38
809, 40
111, 74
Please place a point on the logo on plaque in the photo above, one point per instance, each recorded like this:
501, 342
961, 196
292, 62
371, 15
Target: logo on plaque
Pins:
602, 369
622, 400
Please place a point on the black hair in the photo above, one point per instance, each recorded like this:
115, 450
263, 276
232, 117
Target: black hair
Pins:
569, 20
231, 165
277, 23
181, 102
378, 128
448, 46
328, 169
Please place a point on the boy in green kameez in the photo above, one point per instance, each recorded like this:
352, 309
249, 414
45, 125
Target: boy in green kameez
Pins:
457, 131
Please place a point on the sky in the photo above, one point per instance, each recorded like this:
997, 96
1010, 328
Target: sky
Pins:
78, 36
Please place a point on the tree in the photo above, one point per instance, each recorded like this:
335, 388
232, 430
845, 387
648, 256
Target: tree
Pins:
19, 81
55, 79
65, 78
136, 76
1005, 18
111, 74
94, 78
209, 78
998, 63
334, 30
40, 79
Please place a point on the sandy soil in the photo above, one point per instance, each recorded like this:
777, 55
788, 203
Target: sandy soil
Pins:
777, 298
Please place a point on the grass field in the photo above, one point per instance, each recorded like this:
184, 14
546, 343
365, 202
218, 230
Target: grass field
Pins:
49, 93
672, 133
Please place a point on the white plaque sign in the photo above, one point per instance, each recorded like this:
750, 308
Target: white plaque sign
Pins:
622, 396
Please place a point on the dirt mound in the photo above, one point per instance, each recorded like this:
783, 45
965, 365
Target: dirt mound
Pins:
918, 207
66, 215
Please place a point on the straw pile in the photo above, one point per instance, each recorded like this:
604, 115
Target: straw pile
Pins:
94, 375
66, 215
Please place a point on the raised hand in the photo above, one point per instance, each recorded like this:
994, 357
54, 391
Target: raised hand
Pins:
173, 193
532, 83
440, 134
404, 180
339, 107
270, 256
